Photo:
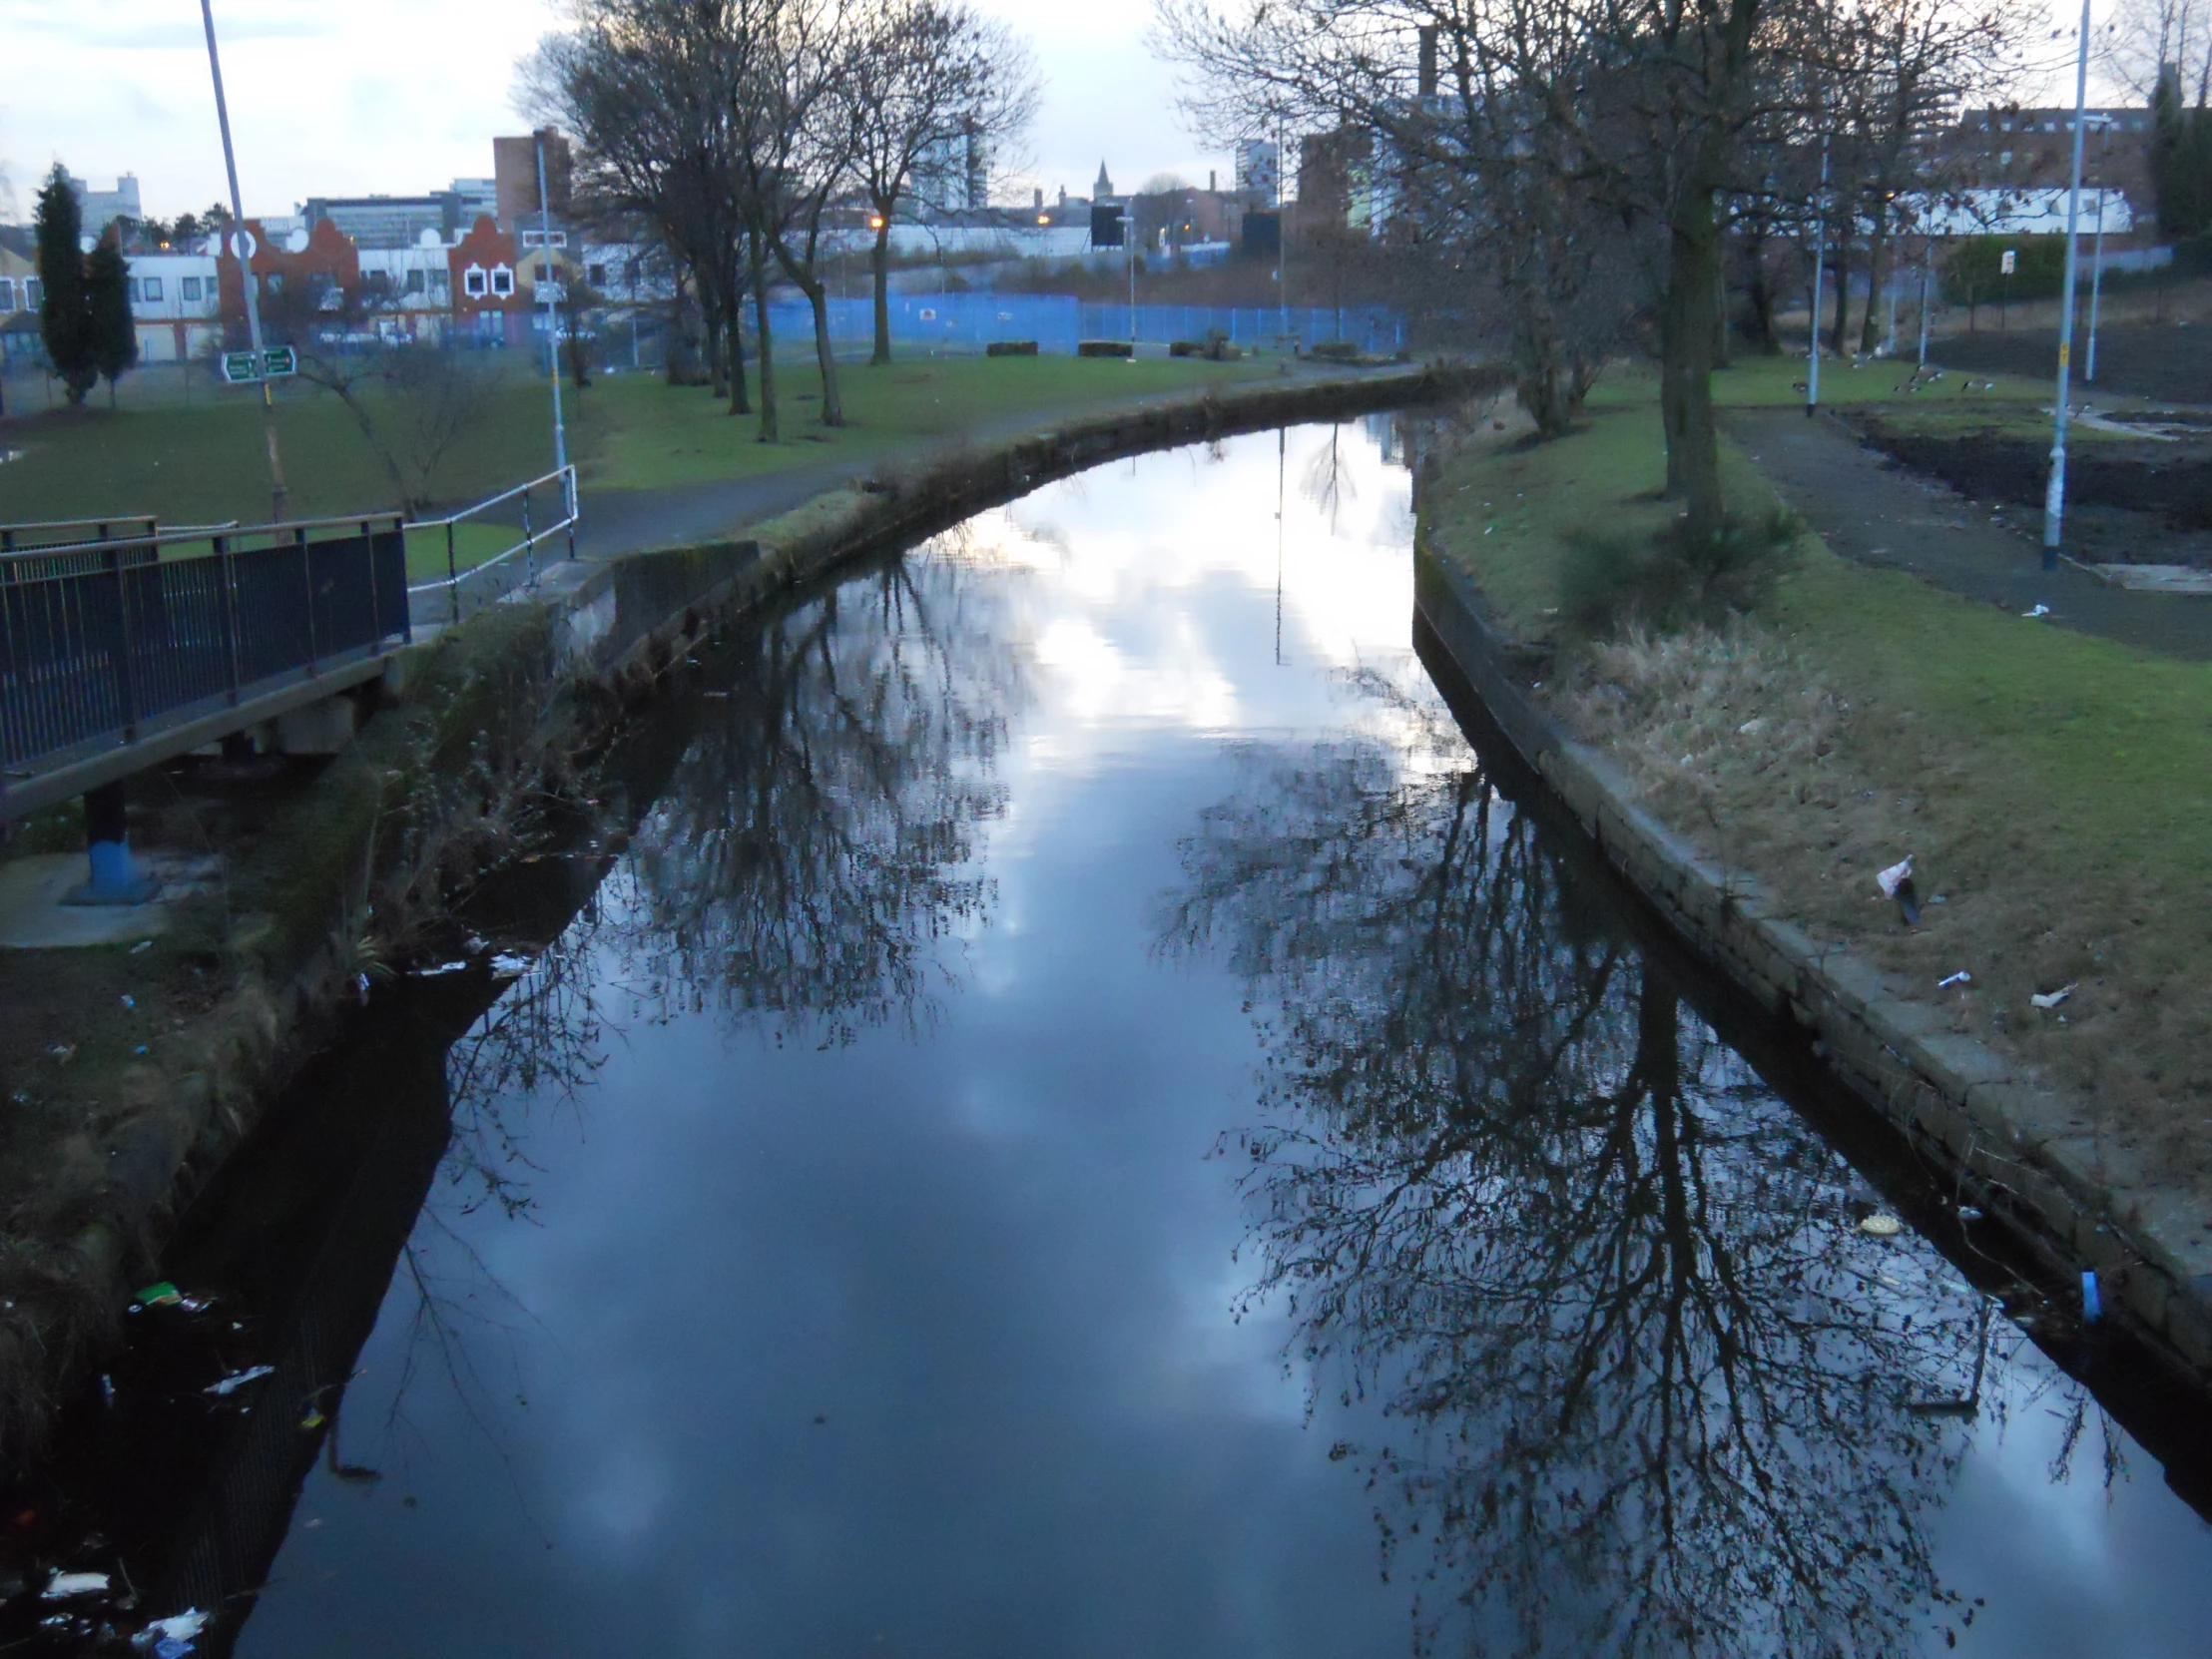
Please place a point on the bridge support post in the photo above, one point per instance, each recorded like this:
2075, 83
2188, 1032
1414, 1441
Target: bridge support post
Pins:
114, 878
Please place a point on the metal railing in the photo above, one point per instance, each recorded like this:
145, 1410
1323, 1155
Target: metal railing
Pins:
68, 532
106, 642
562, 479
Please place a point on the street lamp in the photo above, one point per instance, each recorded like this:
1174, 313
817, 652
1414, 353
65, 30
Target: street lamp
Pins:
241, 244
2054, 498
1819, 268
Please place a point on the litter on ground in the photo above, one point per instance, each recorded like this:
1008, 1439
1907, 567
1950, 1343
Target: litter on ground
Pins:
238, 1380
2051, 999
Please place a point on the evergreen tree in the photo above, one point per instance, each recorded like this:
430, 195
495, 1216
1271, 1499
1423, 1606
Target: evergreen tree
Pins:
108, 302
65, 314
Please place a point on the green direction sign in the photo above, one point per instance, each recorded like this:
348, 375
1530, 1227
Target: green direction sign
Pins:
277, 361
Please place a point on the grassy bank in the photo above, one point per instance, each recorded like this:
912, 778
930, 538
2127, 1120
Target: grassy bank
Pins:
2054, 790
206, 462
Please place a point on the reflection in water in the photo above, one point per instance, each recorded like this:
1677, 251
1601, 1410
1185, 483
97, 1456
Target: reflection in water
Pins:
1656, 1391
822, 835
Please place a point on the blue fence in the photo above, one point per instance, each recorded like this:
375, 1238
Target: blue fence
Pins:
971, 321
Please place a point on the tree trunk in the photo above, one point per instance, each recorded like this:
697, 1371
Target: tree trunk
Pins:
757, 265
713, 313
818, 296
1877, 260
879, 259
1685, 364
1759, 299
1842, 293
1719, 301
733, 329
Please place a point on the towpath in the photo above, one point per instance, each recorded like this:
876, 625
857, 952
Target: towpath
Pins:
1875, 512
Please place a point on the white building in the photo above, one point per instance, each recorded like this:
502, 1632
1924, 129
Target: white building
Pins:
1259, 173
176, 306
2013, 213
102, 208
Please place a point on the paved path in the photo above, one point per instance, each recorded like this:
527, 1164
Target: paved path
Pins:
1874, 511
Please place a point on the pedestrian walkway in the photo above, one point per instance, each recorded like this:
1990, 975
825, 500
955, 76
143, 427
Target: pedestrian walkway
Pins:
1875, 512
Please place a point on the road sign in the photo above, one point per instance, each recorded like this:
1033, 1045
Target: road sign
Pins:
2008, 261
239, 368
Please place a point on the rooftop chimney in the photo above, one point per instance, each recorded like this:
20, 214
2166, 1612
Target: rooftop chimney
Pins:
1428, 60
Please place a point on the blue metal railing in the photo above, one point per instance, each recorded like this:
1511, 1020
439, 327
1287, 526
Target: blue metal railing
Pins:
969, 322
104, 643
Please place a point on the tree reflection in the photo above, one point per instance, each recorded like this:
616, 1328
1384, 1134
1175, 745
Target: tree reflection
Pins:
818, 843
1656, 1391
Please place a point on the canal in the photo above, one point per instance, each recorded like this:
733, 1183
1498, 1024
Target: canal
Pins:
1065, 1111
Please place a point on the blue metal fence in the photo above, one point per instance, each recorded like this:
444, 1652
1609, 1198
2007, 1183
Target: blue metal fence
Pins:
971, 321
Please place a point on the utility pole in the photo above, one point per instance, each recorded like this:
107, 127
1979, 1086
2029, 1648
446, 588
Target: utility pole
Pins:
241, 244
552, 329
2096, 266
1927, 262
1820, 270
2054, 499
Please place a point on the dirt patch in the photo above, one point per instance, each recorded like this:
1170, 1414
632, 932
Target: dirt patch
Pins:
2170, 362
2164, 481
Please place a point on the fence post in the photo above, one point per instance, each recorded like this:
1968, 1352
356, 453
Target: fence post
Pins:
125, 646
307, 578
377, 611
231, 629
452, 575
568, 489
529, 544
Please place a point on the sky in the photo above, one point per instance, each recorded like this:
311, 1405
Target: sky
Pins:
403, 96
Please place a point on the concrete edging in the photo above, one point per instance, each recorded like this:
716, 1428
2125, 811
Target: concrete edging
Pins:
2031, 1155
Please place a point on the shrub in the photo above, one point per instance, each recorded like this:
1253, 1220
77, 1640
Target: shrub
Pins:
1674, 580
1105, 349
1011, 349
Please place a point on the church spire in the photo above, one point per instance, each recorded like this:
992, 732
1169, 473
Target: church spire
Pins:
1105, 186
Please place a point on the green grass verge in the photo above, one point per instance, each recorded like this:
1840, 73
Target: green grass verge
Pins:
1776, 383
655, 436
2057, 786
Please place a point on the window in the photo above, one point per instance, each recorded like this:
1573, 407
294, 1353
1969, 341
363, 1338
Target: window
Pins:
474, 281
596, 274
2004, 157
7, 294
415, 283
273, 282
131, 285
152, 286
34, 293
189, 289
441, 282
502, 280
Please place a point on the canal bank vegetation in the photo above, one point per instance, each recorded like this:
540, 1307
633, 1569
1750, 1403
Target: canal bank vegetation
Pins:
2054, 789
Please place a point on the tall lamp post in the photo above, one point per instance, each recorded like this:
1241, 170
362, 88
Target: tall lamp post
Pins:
1820, 267
241, 244
2054, 498
552, 328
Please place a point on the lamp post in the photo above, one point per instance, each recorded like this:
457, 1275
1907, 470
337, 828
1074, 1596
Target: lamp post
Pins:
241, 244
2054, 498
1819, 268
552, 328
2097, 265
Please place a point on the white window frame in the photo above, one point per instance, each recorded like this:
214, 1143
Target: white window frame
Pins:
476, 282
502, 281
190, 291
152, 287
7, 294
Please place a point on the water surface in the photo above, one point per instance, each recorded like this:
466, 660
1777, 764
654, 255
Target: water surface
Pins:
1083, 1124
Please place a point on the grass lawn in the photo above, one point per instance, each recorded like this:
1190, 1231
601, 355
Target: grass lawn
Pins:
2055, 787
654, 436
206, 462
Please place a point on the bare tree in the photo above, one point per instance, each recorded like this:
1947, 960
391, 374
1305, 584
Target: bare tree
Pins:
928, 76
2150, 36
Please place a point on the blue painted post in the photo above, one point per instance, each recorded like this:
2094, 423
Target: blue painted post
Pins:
113, 877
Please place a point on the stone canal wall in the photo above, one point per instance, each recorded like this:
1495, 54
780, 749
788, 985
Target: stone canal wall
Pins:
2024, 1153
475, 731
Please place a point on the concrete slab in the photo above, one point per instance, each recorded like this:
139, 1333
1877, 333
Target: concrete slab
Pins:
2160, 578
33, 917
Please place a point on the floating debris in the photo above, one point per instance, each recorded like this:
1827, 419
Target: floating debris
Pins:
163, 1295
239, 1380
1882, 1224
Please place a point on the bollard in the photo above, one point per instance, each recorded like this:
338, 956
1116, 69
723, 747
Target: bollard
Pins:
114, 878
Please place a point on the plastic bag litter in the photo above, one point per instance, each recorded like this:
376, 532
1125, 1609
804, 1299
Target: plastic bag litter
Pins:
1889, 880
159, 1295
67, 1586
173, 1637
2040, 610
239, 1380
2051, 999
